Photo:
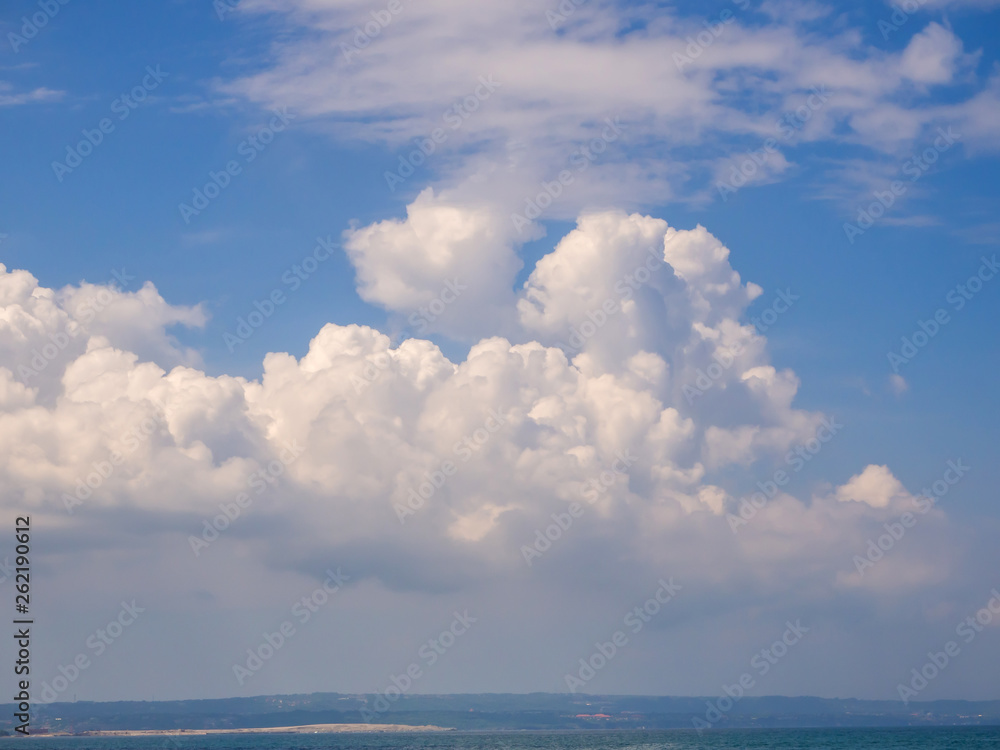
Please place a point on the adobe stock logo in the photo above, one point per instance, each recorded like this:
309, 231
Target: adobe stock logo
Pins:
915, 167
302, 610
49, 9
895, 530
365, 35
635, 620
427, 314
705, 39
435, 479
562, 522
429, 653
938, 661
763, 661
958, 296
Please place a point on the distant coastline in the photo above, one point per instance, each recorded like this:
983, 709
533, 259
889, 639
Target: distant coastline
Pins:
415, 712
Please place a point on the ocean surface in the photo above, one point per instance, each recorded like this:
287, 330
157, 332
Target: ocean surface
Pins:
737, 739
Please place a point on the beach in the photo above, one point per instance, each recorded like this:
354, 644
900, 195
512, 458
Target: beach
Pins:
304, 729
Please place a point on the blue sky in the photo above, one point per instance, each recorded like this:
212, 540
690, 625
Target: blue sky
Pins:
324, 176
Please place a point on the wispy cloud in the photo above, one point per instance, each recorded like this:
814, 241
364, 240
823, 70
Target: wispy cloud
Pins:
9, 98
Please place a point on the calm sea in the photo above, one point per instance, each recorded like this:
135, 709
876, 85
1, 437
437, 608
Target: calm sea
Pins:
736, 739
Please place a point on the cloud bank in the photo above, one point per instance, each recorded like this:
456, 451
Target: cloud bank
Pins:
626, 340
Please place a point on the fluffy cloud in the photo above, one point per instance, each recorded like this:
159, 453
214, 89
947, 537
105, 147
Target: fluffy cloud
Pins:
423, 267
934, 56
627, 385
43, 330
875, 486
649, 444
